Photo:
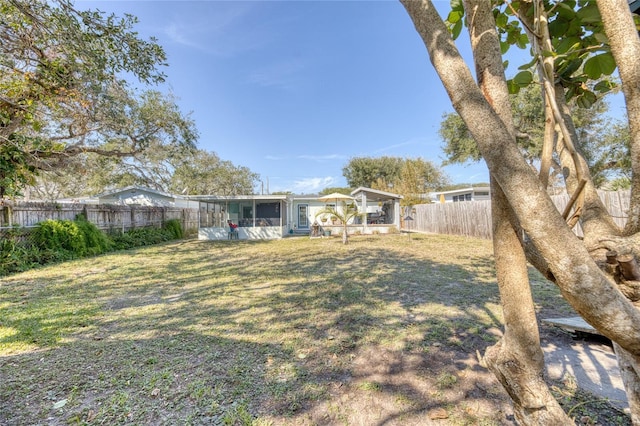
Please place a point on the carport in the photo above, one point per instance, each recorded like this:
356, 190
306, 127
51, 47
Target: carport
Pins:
382, 208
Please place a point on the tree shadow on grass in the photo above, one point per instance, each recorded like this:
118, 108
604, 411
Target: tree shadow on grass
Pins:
287, 332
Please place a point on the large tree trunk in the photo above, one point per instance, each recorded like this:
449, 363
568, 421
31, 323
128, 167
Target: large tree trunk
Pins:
517, 359
630, 374
589, 290
625, 47
580, 279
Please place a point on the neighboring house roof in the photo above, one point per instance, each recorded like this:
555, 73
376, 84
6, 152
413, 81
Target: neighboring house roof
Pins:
237, 197
463, 190
375, 195
133, 189
634, 5
139, 195
78, 200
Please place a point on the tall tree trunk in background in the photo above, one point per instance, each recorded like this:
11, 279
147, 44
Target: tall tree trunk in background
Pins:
625, 47
517, 359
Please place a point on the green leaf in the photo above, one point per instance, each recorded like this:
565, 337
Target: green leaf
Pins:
523, 78
528, 65
575, 29
504, 47
558, 27
513, 87
600, 64
568, 44
602, 38
570, 92
457, 28
522, 41
589, 13
587, 99
567, 68
502, 20
454, 16
604, 86
566, 11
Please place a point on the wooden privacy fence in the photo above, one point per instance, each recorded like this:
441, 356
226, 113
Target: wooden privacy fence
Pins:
473, 218
105, 216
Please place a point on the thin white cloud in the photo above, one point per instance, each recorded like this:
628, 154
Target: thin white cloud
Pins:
274, 158
282, 74
219, 28
321, 158
179, 35
312, 184
415, 141
478, 177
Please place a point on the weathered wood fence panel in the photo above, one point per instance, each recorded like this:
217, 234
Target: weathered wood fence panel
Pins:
105, 216
473, 219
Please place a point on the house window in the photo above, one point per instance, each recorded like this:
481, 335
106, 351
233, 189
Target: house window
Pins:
467, 197
213, 214
268, 214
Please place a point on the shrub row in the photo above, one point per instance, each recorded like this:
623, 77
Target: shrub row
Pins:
59, 240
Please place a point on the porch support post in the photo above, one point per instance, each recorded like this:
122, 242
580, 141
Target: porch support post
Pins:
365, 226
396, 213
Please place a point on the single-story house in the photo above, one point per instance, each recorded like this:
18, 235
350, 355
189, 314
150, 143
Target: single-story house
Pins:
268, 216
277, 216
138, 195
465, 194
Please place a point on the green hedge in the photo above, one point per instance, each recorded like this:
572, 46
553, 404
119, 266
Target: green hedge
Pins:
59, 240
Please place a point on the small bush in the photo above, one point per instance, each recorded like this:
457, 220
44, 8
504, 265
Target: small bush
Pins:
16, 254
175, 227
141, 237
96, 241
61, 236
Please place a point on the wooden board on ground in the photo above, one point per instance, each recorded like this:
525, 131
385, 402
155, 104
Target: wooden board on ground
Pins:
572, 324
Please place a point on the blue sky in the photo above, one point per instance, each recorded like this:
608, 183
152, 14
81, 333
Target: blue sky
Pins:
294, 89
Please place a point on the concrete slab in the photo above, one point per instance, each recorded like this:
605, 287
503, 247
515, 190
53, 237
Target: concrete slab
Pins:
591, 362
572, 324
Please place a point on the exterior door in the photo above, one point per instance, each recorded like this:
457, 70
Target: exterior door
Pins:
303, 216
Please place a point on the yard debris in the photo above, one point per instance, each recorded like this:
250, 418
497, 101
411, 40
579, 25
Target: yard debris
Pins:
438, 414
59, 404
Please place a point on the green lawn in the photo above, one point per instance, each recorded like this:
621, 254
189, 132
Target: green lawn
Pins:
297, 331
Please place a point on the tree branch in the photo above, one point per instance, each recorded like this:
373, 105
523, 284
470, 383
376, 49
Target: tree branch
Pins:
578, 276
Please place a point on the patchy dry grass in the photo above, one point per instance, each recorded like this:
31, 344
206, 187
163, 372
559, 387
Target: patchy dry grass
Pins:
298, 331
